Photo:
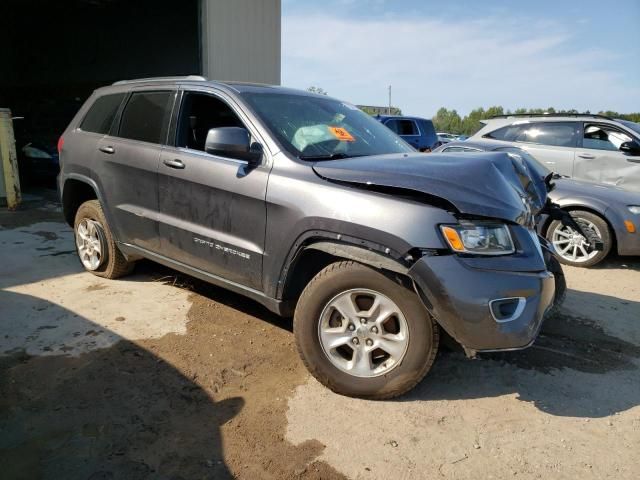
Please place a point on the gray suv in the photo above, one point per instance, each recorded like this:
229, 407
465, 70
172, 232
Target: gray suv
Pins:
317, 211
583, 146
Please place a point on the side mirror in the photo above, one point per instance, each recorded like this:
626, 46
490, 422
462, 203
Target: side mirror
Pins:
630, 148
233, 142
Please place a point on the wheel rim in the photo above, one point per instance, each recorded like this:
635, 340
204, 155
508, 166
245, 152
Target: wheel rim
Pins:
363, 333
90, 243
572, 246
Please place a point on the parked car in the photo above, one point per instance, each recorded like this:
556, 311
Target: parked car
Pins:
38, 160
445, 137
612, 213
313, 208
583, 146
417, 132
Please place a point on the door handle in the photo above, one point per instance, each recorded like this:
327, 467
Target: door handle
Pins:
633, 160
586, 155
174, 163
108, 149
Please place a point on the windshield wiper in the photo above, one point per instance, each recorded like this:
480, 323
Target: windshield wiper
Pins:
329, 156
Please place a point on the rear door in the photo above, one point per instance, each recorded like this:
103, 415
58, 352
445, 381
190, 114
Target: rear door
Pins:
599, 159
212, 208
127, 166
551, 143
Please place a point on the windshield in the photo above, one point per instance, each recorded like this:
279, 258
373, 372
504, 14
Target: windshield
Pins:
632, 125
313, 128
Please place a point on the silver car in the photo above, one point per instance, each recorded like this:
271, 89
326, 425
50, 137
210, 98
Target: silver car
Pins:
583, 146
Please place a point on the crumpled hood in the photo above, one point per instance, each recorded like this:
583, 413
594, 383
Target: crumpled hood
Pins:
488, 184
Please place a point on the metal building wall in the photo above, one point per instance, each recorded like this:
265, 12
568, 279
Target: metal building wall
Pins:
241, 40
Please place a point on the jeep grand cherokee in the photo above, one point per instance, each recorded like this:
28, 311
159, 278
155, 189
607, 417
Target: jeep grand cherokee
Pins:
309, 206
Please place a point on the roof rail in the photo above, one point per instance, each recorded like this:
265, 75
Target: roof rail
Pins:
557, 114
162, 79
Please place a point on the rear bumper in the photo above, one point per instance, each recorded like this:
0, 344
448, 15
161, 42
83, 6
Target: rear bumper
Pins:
459, 298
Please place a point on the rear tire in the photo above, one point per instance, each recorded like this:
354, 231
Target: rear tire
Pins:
556, 231
386, 314
110, 262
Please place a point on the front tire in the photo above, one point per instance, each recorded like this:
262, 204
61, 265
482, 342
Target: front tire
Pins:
555, 267
568, 244
363, 334
96, 248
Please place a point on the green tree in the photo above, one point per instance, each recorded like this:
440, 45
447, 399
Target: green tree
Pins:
318, 90
449, 121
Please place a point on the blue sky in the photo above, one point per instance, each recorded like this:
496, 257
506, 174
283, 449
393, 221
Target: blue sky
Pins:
582, 54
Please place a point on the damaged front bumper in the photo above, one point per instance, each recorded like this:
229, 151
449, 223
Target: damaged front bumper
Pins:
483, 308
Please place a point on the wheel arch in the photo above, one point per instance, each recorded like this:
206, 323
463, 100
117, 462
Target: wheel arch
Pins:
317, 253
76, 190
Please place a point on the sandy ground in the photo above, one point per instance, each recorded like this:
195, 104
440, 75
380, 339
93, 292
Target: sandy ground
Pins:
161, 376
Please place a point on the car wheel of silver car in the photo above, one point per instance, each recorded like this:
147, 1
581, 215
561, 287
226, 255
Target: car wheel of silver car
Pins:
95, 245
362, 333
572, 248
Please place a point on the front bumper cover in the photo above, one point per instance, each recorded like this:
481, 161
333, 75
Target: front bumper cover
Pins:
458, 296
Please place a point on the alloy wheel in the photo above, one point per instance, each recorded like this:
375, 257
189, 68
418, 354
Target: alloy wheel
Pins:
363, 333
571, 245
90, 240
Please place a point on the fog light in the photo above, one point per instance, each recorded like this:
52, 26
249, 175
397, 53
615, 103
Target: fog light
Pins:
507, 309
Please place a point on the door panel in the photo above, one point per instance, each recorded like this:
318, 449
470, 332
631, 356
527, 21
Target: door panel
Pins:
212, 214
611, 167
129, 184
556, 159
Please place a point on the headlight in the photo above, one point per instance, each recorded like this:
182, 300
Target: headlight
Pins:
634, 209
479, 239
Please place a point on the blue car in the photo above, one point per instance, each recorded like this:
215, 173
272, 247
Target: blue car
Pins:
38, 160
417, 132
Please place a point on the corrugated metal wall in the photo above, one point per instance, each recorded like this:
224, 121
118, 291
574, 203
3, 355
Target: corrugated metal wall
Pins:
241, 40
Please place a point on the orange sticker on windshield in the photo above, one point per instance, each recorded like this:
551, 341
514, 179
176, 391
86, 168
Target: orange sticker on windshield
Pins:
341, 134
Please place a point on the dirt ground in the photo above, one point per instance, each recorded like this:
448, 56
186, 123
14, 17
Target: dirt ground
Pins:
161, 376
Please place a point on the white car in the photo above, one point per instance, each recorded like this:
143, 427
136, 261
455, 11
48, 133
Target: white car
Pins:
583, 146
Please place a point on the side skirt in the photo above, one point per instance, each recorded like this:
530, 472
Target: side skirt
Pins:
279, 307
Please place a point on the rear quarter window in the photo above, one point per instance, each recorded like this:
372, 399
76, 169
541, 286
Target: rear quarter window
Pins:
100, 116
146, 117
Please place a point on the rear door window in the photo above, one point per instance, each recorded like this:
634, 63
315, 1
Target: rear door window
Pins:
100, 116
558, 134
403, 127
146, 117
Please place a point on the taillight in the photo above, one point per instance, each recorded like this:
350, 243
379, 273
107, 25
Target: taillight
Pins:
60, 144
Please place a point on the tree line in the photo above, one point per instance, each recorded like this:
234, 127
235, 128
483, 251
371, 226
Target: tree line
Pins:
450, 121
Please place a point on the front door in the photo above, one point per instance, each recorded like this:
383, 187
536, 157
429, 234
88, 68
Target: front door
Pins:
212, 213
599, 159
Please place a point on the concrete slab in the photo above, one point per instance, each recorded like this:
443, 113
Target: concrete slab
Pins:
47, 299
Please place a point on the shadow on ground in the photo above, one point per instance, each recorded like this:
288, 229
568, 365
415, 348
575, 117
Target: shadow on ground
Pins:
573, 369
119, 412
